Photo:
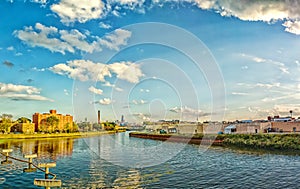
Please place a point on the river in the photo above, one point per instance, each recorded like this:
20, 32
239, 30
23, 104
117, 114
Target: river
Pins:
107, 162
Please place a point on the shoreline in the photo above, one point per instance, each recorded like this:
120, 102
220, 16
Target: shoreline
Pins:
56, 135
285, 143
211, 140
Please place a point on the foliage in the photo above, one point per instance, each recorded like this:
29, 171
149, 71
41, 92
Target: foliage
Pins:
75, 127
23, 120
6, 123
109, 126
49, 125
265, 141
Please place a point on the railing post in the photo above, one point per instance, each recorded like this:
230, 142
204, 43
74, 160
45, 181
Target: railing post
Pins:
6, 161
30, 168
47, 166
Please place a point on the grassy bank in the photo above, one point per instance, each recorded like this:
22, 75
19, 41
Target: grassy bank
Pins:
54, 135
264, 141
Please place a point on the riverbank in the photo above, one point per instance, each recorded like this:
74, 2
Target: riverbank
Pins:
196, 139
55, 135
284, 142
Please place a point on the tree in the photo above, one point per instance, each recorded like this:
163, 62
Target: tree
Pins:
109, 126
6, 122
52, 123
23, 120
75, 127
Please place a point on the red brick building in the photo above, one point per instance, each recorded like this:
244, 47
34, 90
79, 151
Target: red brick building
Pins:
65, 121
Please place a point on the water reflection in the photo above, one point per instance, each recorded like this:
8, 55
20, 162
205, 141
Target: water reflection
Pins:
44, 148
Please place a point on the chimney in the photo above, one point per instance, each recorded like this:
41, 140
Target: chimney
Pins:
99, 118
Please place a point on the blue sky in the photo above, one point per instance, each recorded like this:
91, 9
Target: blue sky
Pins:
150, 60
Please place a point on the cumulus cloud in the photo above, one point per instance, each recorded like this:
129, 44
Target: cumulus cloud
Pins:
85, 70
292, 26
256, 10
142, 116
115, 39
95, 90
104, 25
21, 92
268, 11
63, 41
188, 111
105, 101
40, 36
78, 11
127, 71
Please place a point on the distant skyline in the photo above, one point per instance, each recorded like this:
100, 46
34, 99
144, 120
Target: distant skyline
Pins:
80, 56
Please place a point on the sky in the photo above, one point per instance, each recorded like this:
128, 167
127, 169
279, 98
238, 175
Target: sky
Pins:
191, 60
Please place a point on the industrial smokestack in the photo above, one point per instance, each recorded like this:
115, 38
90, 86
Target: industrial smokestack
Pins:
99, 118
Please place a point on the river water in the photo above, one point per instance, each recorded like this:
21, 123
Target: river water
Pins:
89, 163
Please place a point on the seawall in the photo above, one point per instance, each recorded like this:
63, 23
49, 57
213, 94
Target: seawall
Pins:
179, 138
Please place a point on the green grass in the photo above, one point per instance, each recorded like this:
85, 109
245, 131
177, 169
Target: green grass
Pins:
264, 141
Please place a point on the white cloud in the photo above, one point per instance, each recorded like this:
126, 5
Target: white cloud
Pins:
11, 88
137, 102
63, 41
11, 48
108, 84
43, 2
144, 117
239, 93
104, 26
189, 111
21, 92
38, 69
281, 66
255, 10
95, 90
40, 37
78, 11
292, 26
105, 101
261, 85
144, 90
85, 70
115, 39
77, 40
127, 71
66, 92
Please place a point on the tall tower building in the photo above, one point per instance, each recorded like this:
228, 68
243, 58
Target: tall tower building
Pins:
122, 119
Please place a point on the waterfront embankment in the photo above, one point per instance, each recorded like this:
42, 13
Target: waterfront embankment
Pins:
195, 139
55, 135
254, 141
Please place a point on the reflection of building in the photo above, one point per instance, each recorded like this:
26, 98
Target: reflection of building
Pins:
52, 148
65, 121
27, 128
